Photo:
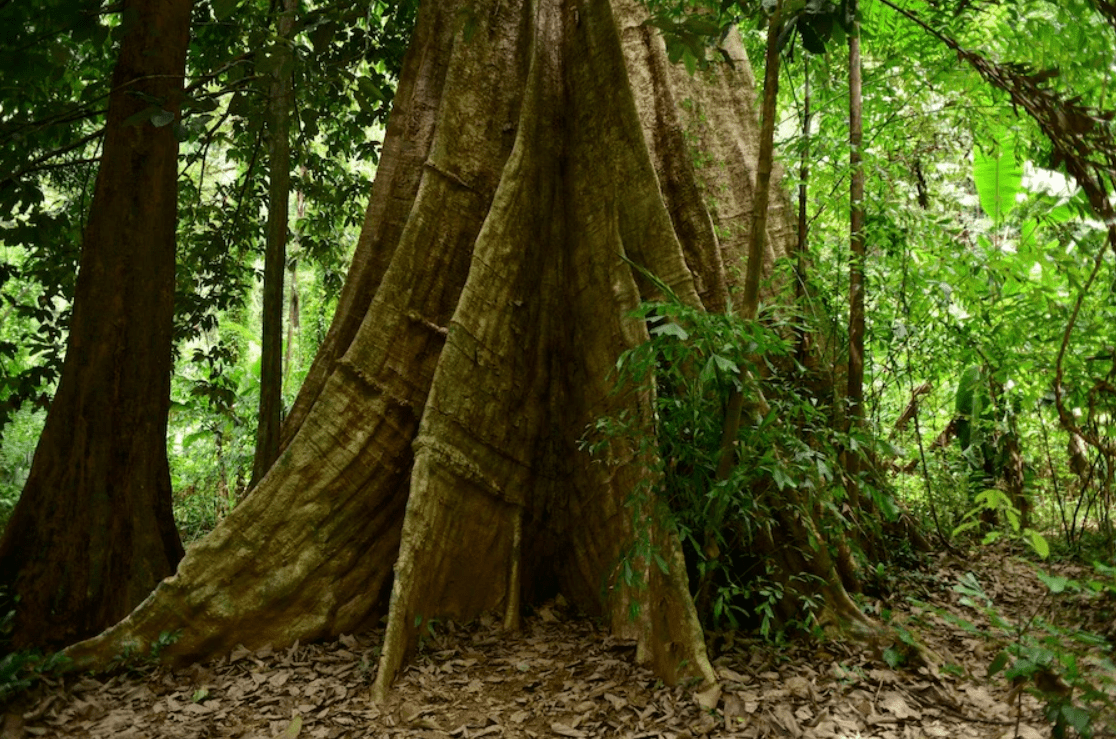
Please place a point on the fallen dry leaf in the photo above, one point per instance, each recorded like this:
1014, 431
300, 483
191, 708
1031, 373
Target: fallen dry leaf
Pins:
561, 677
563, 730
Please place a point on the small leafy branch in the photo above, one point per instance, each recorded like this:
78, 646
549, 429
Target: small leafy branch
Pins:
1070, 670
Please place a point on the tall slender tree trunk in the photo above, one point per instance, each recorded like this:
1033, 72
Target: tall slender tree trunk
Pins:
802, 339
433, 453
93, 532
854, 394
270, 415
734, 408
294, 305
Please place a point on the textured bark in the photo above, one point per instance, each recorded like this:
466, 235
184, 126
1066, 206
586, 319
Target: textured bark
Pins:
93, 532
434, 446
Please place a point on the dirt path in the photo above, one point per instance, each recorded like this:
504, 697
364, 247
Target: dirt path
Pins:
561, 676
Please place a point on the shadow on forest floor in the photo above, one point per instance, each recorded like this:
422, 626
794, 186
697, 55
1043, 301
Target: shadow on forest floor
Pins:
561, 676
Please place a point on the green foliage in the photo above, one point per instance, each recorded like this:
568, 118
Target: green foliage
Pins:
16, 454
58, 58
346, 56
694, 31
971, 406
1070, 670
949, 284
998, 176
20, 670
996, 501
133, 659
692, 363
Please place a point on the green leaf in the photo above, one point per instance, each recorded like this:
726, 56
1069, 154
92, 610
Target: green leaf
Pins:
812, 41
965, 527
1078, 718
1041, 547
997, 664
143, 116
726, 365
709, 372
998, 175
370, 89
222, 9
322, 35
1024, 668
702, 26
1056, 583
671, 329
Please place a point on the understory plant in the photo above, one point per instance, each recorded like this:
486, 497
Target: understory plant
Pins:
1069, 670
20, 670
692, 364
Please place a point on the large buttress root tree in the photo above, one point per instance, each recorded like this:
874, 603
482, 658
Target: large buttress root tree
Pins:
93, 532
534, 149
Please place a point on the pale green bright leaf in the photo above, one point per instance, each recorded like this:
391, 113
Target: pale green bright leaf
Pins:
998, 175
671, 329
1039, 543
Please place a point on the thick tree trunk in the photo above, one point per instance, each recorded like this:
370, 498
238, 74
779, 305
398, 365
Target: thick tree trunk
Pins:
433, 451
93, 532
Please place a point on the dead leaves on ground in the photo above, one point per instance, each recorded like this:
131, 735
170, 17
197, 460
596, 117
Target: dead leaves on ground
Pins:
559, 677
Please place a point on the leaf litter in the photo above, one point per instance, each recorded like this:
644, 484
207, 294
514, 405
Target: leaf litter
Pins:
560, 676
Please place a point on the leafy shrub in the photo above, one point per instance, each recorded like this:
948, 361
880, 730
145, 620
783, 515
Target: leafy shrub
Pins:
693, 364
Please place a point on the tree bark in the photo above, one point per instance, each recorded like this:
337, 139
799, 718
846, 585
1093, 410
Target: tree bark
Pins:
802, 248
270, 416
854, 394
93, 532
433, 452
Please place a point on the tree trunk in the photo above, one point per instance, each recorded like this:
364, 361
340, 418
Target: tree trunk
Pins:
854, 395
749, 308
275, 255
802, 248
93, 532
433, 452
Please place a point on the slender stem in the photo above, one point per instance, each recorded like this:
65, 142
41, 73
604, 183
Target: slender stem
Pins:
803, 223
854, 393
750, 307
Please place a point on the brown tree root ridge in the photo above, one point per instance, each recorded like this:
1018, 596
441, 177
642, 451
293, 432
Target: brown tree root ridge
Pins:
433, 452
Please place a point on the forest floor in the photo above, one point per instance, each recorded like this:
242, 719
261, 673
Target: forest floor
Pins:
563, 676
